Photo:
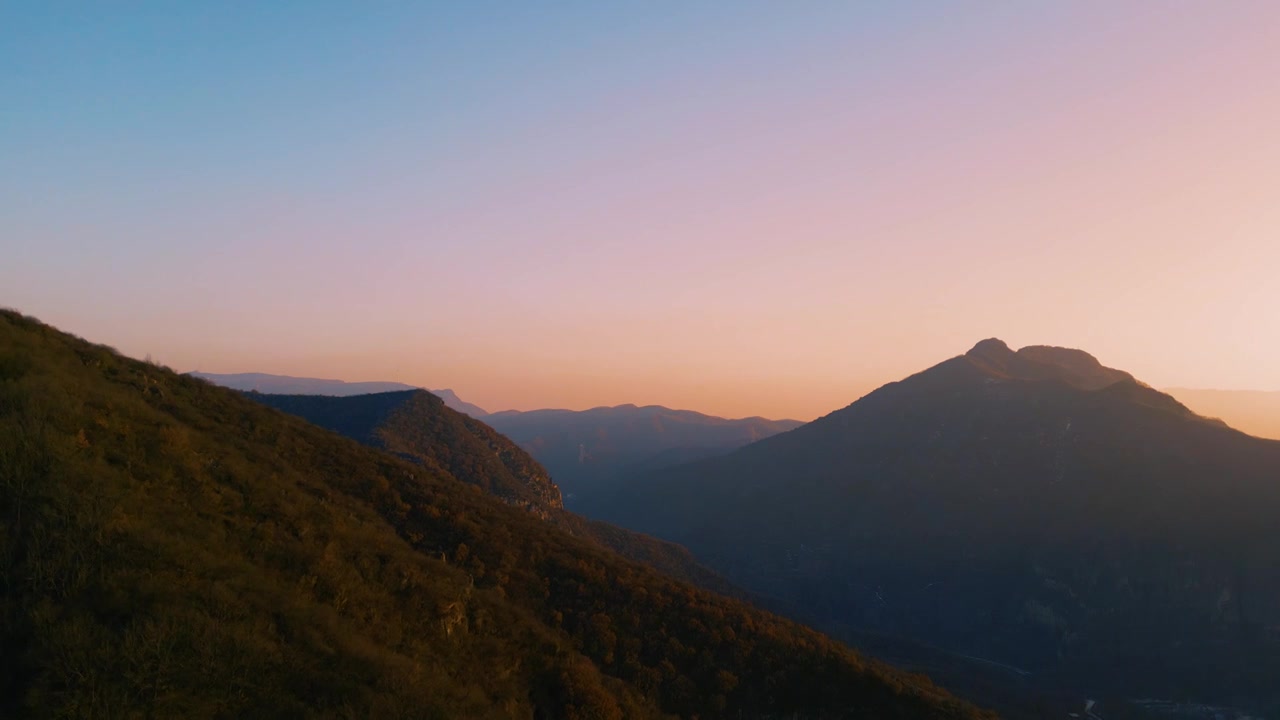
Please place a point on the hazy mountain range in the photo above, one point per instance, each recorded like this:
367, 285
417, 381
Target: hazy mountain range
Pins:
1031, 508
288, 385
589, 451
585, 451
1252, 411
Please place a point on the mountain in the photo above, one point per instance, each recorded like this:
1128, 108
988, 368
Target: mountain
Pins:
418, 426
588, 452
169, 548
1255, 412
1033, 509
287, 385
452, 401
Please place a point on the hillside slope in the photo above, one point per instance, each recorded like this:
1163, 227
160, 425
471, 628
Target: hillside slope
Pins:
172, 549
417, 426
1034, 509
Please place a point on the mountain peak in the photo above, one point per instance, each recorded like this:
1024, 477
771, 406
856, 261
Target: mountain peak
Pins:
1044, 362
991, 349
993, 357
1066, 358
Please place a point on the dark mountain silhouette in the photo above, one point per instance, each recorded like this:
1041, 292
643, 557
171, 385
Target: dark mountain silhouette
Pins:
418, 426
172, 549
287, 385
1034, 509
589, 451
1252, 411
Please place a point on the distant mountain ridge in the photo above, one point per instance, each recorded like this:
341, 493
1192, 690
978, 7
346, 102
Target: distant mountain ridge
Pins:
1033, 508
289, 385
454, 402
589, 451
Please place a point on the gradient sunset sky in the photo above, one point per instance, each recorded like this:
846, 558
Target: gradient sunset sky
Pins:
740, 208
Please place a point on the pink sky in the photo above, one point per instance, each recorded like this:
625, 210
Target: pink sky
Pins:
757, 214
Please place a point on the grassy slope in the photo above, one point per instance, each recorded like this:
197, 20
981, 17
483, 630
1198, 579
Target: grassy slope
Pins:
171, 549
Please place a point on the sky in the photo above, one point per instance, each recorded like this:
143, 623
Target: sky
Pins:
742, 208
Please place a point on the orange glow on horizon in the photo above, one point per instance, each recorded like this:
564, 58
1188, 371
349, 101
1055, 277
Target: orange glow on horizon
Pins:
756, 214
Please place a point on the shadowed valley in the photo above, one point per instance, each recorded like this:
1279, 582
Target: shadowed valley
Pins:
590, 452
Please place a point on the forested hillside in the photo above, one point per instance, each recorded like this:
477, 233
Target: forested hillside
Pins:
419, 426
171, 549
